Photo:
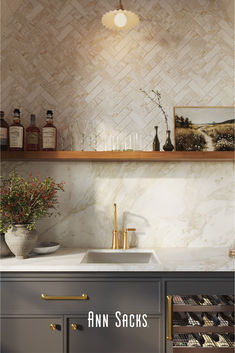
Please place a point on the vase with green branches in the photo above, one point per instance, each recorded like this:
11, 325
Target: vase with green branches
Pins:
23, 202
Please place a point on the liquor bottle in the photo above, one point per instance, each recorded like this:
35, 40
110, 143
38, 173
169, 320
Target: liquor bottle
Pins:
16, 133
49, 133
4, 132
32, 135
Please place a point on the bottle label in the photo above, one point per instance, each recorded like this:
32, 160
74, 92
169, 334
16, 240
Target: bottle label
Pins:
48, 137
3, 136
32, 138
16, 136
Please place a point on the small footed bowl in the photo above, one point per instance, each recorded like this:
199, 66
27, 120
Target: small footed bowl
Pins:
46, 248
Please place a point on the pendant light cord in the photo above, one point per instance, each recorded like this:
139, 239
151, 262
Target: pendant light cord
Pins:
120, 6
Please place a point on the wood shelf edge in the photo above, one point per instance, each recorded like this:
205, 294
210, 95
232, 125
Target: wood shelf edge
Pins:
119, 156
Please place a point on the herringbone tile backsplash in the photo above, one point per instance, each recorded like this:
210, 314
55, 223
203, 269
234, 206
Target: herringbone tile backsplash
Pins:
57, 55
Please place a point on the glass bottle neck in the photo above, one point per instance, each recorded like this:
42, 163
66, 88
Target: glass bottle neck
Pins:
16, 119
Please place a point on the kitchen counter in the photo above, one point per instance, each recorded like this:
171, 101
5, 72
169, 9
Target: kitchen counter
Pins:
171, 259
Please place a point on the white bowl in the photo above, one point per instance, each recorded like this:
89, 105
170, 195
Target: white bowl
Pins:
46, 248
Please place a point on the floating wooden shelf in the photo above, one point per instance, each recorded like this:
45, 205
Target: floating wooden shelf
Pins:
119, 156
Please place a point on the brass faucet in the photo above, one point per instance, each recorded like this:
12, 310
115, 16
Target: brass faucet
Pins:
115, 243
125, 237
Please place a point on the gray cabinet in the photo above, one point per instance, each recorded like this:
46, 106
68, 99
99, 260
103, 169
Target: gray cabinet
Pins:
84, 339
31, 335
26, 317
137, 328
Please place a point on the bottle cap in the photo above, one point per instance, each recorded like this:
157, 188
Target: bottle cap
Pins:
1, 114
50, 112
16, 111
33, 118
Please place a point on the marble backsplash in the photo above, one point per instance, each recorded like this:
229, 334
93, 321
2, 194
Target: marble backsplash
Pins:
57, 55
170, 204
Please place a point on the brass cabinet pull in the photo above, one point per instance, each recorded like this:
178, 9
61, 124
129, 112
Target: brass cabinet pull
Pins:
53, 327
169, 323
74, 326
64, 297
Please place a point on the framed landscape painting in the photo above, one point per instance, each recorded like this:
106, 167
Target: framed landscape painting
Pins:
204, 128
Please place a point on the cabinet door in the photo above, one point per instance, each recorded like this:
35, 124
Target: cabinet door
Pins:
112, 339
31, 335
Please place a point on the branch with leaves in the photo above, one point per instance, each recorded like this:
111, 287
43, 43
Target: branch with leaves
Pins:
157, 101
24, 201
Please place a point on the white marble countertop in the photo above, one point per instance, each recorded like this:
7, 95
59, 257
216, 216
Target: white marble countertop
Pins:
171, 259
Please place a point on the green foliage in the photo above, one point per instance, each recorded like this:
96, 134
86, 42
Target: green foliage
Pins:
24, 201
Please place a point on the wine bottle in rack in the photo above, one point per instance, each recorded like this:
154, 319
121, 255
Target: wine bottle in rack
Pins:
223, 322
231, 337
222, 342
208, 319
180, 319
216, 300
214, 336
177, 299
208, 342
195, 319
206, 300
226, 318
212, 299
197, 299
192, 341
226, 299
199, 338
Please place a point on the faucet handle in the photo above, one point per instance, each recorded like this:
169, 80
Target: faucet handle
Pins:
125, 237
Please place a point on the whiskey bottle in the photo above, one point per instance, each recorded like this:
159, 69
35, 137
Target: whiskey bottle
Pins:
49, 133
16, 133
4, 132
32, 135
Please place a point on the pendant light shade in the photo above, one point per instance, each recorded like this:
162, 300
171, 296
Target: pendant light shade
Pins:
120, 19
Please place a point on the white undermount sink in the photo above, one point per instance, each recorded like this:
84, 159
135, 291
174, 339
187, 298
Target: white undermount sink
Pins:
132, 256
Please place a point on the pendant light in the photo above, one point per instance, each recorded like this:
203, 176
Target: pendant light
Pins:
120, 19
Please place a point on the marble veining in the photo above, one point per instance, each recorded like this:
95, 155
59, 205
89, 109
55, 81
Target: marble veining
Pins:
170, 204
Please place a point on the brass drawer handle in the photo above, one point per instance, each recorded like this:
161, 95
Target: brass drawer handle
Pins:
53, 327
169, 323
64, 297
74, 326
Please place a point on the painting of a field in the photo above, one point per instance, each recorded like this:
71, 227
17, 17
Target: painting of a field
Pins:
204, 128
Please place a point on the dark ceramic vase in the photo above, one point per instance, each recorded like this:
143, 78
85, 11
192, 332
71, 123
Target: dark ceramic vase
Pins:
156, 143
168, 146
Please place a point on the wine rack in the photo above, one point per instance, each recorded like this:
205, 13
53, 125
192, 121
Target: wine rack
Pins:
190, 336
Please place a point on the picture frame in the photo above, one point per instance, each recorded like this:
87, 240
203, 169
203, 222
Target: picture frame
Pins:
204, 128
